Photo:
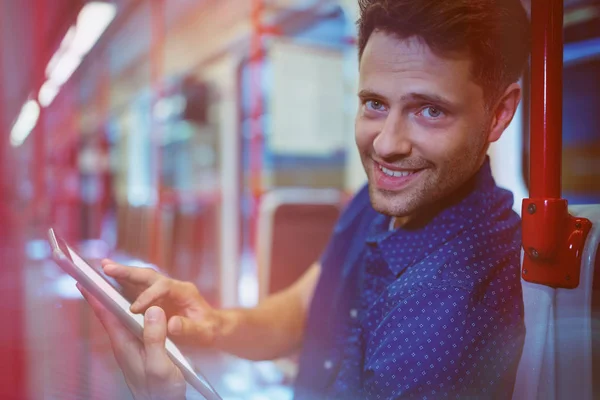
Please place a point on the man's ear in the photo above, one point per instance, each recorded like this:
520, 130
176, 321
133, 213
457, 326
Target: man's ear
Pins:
504, 111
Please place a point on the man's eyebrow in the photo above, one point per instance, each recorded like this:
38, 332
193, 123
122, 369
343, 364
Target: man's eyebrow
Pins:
427, 98
369, 94
414, 96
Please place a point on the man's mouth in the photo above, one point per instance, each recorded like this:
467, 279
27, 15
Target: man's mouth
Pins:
394, 179
396, 174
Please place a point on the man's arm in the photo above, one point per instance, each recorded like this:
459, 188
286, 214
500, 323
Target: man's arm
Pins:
272, 329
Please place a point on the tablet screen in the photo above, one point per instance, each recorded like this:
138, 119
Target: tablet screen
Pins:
103, 283
119, 299
111, 292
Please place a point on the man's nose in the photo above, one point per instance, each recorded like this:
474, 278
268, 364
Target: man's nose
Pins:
394, 138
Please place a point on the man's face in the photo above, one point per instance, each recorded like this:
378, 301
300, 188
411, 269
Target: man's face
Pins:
421, 128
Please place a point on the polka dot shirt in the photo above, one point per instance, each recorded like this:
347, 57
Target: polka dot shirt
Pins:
427, 313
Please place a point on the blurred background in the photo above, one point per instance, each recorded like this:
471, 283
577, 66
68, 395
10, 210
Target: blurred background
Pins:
210, 139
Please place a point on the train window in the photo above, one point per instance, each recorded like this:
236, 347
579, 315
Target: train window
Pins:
314, 56
581, 131
189, 137
135, 152
292, 125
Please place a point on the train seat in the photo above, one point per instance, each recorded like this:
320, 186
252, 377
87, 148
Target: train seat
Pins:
557, 357
294, 225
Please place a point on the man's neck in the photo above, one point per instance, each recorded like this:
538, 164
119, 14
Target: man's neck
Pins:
418, 219
422, 217
400, 222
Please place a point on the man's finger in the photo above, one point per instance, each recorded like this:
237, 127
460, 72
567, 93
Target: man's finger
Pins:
151, 296
124, 343
127, 348
164, 379
158, 364
190, 332
130, 275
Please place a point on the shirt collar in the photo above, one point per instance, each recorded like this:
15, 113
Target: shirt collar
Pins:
454, 216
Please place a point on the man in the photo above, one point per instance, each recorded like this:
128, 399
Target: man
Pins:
418, 293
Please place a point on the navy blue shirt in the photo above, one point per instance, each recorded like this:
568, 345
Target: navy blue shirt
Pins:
428, 312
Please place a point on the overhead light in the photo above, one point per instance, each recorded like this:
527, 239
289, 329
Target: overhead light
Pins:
52, 64
62, 49
65, 67
92, 21
48, 92
28, 117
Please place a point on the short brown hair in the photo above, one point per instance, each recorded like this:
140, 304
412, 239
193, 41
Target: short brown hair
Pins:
496, 33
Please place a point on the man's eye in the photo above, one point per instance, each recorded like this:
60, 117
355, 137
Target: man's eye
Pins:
374, 105
432, 112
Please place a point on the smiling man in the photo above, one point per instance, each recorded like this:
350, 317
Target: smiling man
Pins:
418, 293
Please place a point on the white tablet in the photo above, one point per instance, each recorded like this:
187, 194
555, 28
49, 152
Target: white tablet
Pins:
111, 297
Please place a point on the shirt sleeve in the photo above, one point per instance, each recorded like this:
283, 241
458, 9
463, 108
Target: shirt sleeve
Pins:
442, 343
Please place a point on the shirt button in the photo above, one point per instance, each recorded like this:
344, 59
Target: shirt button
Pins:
328, 364
353, 313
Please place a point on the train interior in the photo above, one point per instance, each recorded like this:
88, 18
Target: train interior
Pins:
213, 140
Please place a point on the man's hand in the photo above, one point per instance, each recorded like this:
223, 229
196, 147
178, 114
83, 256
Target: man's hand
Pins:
148, 370
191, 320
272, 329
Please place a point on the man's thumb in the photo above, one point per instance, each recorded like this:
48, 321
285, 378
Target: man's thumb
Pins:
158, 364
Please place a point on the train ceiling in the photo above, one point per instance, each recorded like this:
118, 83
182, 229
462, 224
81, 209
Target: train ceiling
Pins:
17, 34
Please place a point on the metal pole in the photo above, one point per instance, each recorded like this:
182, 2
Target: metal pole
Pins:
256, 113
256, 107
546, 101
13, 354
553, 240
156, 76
38, 135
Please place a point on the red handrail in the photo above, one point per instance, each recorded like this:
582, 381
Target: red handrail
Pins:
546, 102
13, 351
553, 240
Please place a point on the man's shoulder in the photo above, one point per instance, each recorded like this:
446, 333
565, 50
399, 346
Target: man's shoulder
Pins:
485, 259
482, 256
